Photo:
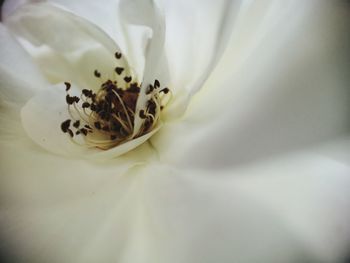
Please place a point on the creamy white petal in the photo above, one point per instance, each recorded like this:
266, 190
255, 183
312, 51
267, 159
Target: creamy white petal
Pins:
19, 76
54, 209
282, 85
10, 6
20, 79
103, 14
197, 35
67, 47
145, 14
294, 209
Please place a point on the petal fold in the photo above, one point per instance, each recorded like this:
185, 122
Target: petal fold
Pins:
19, 76
67, 47
281, 86
147, 14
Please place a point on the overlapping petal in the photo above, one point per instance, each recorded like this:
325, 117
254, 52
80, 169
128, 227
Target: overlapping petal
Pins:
85, 212
67, 47
19, 76
207, 200
280, 86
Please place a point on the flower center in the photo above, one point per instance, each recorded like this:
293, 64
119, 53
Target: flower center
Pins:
105, 119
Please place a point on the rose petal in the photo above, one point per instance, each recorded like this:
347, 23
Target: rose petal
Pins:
19, 77
197, 35
289, 210
286, 91
146, 14
292, 209
67, 47
51, 197
19, 80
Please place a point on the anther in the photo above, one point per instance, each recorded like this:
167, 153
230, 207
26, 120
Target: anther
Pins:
68, 85
142, 114
149, 89
70, 100
97, 74
127, 79
76, 124
156, 83
93, 107
65, 125
118, 55
84, 131
119, 70
85, 105
70, 133
165, 90
134, 88
97, 125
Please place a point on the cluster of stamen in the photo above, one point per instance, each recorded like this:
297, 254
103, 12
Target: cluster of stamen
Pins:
105, 119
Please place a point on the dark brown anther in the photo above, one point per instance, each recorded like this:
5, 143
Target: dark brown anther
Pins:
65, 125
97, 124
119, 70
118, 55
87, 127
134, 88
85, 105
93, 107
165, 90
76, 124
84, 131
113, 137
156, 83
97, 74
127, 79
151, 107
161, 107
68, 85
87, 93
142, 114
70, 133
69, 100
77, 132
149, 89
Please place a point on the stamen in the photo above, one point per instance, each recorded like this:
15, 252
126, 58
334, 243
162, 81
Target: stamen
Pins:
118, 55
119, 70
127, 79
156, 83
97, 74
65, 125
105, 118
68, 85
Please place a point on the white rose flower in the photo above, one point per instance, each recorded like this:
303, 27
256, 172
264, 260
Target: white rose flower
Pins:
139, 131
